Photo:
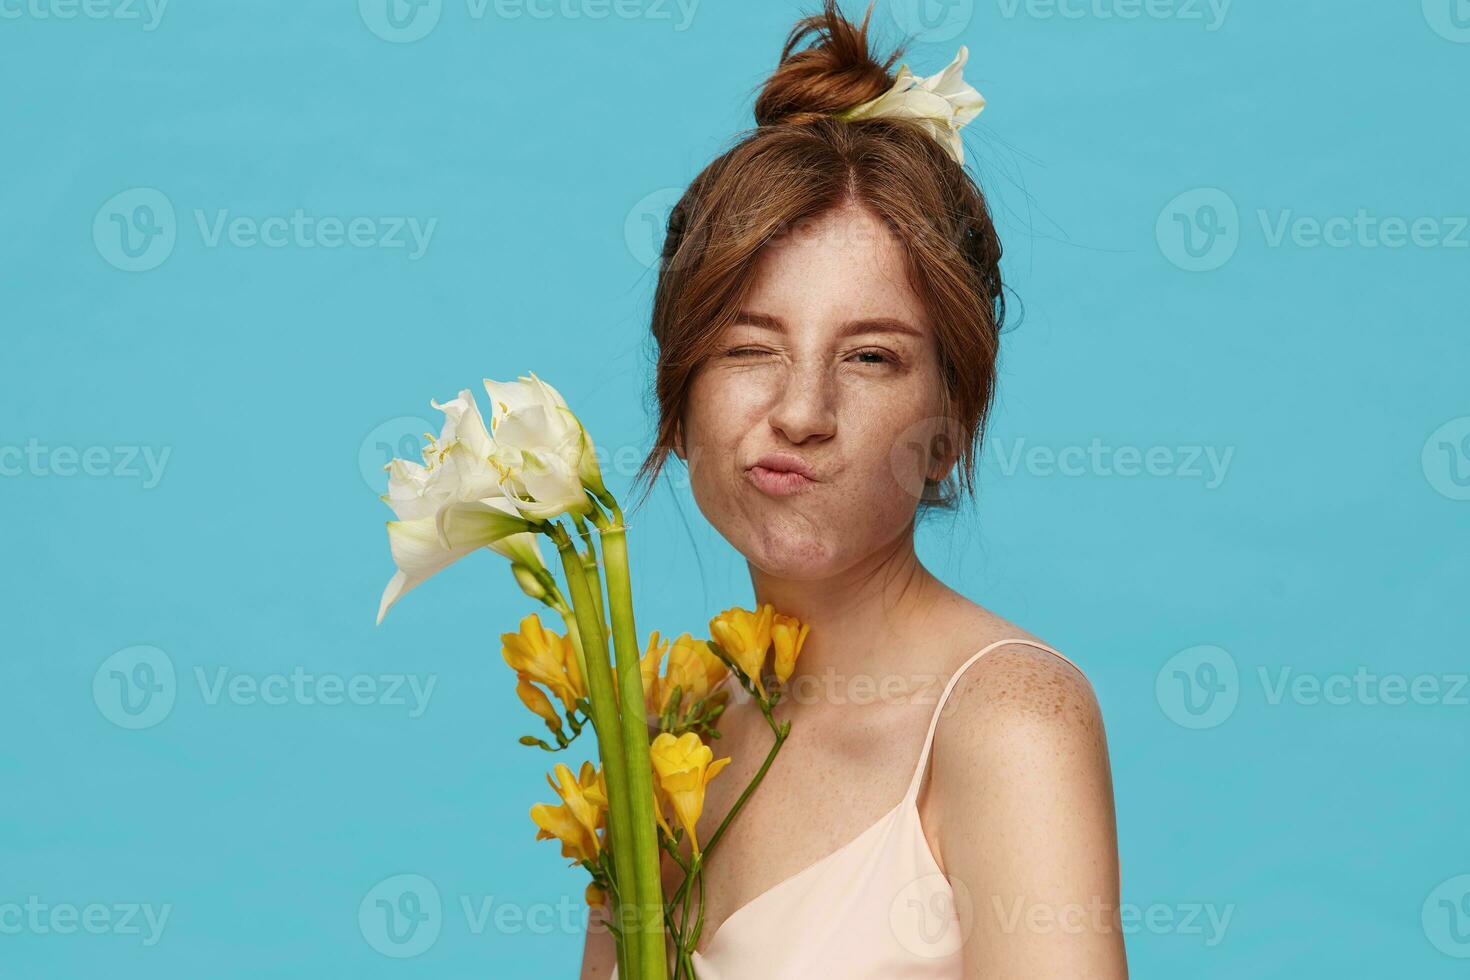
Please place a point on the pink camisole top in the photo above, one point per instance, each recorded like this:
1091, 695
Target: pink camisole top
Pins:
877, 907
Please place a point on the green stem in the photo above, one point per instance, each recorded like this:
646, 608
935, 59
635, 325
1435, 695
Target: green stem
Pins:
780, 730
605, 720
573, 633
589, 562
594, 581
696, 868
623, 952
649, 930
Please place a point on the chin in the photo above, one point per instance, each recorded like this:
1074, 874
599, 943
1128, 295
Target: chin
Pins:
783, 552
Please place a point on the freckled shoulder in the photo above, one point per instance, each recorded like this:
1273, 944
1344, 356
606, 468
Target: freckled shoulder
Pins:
1023, 806
1017, 682
1018, 697
1019, 685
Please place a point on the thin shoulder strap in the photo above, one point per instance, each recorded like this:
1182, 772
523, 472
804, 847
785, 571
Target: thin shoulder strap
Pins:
918, 777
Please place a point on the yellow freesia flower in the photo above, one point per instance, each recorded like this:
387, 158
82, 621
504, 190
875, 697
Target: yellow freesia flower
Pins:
653, 698
683, 767
693, 667
595, 894
545, 657
582, 812
787, 633
745, 636
535, 699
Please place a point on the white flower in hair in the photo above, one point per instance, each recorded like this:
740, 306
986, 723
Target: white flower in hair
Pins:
940, 103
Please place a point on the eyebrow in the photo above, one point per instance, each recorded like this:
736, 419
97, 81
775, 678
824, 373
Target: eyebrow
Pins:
876, 324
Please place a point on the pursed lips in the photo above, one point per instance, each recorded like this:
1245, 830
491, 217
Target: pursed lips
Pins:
781, 474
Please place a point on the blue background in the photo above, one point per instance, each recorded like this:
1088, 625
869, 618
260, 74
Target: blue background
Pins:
547, 150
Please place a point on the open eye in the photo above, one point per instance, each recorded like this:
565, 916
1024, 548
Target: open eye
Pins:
873, 355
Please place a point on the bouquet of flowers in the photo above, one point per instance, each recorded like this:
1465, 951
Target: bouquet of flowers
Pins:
534, 472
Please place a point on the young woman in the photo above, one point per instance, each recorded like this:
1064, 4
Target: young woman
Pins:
827, 317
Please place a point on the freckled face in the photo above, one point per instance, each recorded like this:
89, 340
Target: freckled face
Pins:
832, 360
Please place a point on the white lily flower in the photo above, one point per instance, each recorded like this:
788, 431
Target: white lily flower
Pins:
546, 459
455, 498
940, 103
419, 548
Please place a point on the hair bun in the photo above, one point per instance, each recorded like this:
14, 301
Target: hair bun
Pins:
825, 66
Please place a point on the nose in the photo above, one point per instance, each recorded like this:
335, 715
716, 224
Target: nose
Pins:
805, 410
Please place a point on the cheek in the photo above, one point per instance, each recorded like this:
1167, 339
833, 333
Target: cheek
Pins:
717, 417
719, 413
892, 448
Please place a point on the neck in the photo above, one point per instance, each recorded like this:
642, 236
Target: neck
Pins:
859, 618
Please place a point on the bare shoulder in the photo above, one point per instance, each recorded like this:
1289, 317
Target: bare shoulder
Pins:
1016, 685
1020, 726
1022, 797
1020, 742
1015, 688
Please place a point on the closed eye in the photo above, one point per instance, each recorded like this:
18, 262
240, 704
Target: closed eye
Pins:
873, 356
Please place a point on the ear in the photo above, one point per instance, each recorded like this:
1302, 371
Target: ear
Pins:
941, 469
944, 455
679, 441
